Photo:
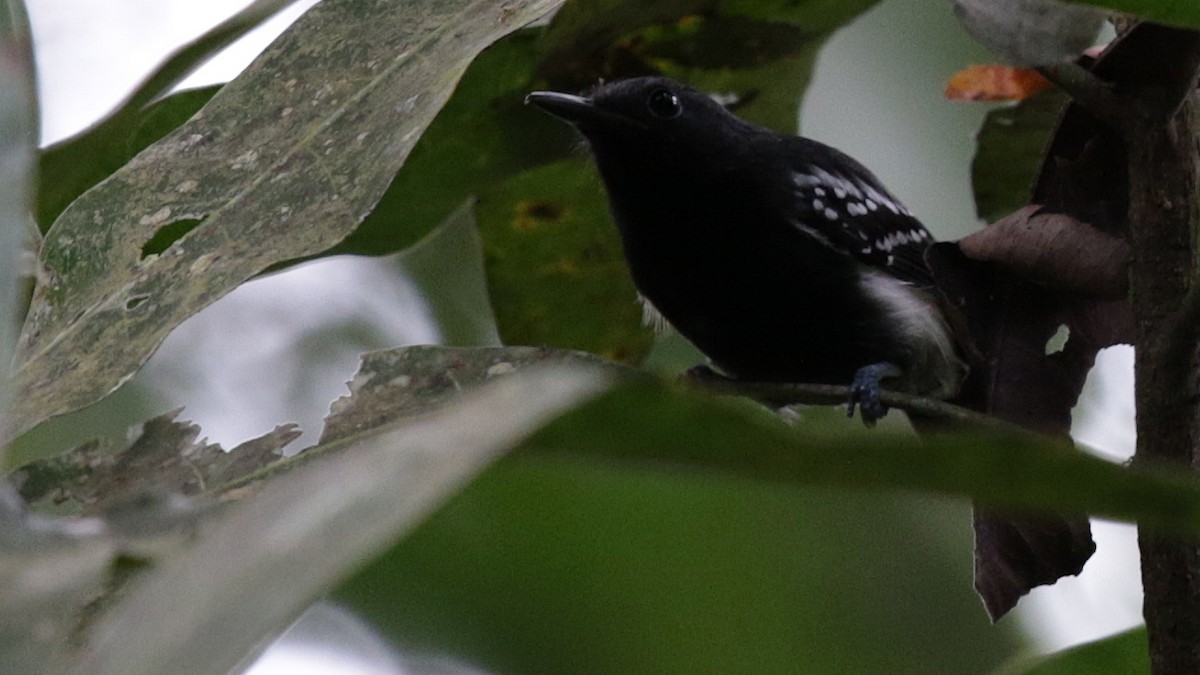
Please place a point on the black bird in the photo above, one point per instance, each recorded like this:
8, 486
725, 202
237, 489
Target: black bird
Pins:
780, 258
783, 259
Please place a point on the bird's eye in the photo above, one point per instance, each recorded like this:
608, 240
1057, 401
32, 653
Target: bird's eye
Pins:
665, 104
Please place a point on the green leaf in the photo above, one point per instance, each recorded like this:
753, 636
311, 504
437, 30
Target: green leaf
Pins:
18, 141
640, 531
644, 529
447, 266
210, 606
1181, 13
1008, 153
483, 135
44, 576
1121, 654
167, 457
619, 564
561, 566
1020, 471
166, 114
70, 167
555, 266
282, 163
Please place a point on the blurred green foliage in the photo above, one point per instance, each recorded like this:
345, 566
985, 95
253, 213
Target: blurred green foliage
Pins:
620, 561
1124, 653
1009, 153
548, 566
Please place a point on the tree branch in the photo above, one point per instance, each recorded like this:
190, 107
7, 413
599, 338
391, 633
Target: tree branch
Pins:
780, 394
1163, 215
1089, 91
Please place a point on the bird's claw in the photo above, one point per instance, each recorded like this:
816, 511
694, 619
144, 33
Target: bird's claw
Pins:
865, 391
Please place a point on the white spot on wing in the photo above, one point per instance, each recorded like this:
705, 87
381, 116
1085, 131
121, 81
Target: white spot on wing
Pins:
804, 180
875, 196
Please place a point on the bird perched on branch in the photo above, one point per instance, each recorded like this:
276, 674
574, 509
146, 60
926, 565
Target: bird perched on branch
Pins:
780, 258
784, 260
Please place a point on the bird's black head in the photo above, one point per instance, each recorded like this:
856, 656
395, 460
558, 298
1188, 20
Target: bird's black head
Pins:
655, 134
646, 112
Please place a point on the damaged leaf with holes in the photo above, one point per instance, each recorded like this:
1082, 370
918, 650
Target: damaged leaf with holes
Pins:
167, 457
339, 101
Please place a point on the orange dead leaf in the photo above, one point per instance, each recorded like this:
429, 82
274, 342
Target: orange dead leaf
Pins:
994, 83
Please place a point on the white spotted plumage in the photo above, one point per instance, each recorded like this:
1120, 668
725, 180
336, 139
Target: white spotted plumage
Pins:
854, 215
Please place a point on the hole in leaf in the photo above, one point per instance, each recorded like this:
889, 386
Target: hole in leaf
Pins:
136, 301
1058, 341
168, 234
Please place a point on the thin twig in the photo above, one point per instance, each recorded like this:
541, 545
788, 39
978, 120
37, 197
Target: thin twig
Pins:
1089, 91
779, 394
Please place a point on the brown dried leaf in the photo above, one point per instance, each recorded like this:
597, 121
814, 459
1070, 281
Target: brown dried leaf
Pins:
1055, 250
1025, 378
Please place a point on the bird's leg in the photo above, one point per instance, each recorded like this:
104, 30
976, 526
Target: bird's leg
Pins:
864, 391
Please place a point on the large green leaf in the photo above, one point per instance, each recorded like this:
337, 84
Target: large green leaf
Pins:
44, 576
254, 571
282, 163
644, 530
18, 140
483, 134
1121, 654
447, 266
70, 167
554, 265
549, 566
641, 533
1019, 471
76, 164
1009, 151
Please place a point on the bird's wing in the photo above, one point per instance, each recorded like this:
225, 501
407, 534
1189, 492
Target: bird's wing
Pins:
843, 205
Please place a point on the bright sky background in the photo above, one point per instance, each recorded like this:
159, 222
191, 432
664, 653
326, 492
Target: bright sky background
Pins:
91, 53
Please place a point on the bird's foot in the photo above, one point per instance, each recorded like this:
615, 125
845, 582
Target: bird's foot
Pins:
865, 390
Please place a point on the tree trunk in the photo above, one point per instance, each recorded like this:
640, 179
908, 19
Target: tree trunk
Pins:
1163, 213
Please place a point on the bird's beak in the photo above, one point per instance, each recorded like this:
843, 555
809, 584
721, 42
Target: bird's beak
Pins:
579, 111
573, 109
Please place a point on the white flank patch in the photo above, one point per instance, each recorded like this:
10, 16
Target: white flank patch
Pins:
922, 328
652, 317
